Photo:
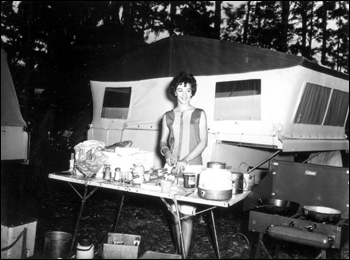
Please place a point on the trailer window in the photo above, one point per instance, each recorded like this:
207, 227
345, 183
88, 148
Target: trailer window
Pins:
313, 104
116, 103
337, 109
238, 100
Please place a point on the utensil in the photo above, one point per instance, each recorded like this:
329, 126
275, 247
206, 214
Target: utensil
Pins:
278, 206
188, 194
321, 214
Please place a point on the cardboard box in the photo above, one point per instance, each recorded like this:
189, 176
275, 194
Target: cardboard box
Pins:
121, 246
12, 225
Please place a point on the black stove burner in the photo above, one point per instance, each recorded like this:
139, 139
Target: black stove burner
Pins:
298, 224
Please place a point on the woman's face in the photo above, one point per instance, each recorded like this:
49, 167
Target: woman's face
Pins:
184, 93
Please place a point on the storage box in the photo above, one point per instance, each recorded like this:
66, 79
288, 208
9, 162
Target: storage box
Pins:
121, 246
125, 158
156, 255
12, 225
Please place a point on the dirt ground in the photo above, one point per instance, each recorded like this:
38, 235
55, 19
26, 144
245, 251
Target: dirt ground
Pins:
55, 205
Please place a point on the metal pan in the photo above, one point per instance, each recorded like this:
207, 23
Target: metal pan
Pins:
321, 214
277, 206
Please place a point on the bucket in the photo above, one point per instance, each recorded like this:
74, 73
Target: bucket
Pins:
57, 244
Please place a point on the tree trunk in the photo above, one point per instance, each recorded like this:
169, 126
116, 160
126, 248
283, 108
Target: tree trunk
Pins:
304, 27
217, 20
127, 25
29, 68
173, 5
308, 50
324, 32
285, 19
246, 23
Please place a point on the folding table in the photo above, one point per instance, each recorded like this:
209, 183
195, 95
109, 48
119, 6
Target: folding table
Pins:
177, 195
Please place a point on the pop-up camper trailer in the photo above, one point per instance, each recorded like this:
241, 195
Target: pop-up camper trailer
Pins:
260, 104
14, 138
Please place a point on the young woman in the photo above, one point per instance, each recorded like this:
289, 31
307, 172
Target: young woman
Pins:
183, 139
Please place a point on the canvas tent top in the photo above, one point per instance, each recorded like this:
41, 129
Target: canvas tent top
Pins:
247, 115
203, 57
10, 111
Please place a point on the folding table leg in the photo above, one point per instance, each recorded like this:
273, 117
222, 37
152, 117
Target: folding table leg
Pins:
264, 247
322, 255
98, 248
177, 218
182, 242
24, 244
260, 247
83, 200
215, 236
120, 209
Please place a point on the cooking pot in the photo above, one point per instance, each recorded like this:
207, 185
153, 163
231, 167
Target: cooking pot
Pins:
215, 182
321, 214
277, 206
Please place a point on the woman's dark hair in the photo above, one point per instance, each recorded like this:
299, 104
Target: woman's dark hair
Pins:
183, 77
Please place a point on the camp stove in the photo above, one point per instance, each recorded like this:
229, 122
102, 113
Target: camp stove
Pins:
306, 184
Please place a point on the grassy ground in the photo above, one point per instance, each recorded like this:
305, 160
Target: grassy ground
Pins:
55, 205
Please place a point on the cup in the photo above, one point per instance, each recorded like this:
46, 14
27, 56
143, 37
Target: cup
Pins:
165, 186
146, 176
237, 182
122, 177
189, 180
249, 181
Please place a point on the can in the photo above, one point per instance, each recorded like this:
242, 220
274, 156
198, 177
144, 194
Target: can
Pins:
189, 180
238, 182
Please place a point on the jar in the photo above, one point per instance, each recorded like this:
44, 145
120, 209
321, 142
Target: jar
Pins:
107, 172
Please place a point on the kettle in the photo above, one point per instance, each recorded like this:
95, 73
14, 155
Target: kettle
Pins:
85, 249
215, 182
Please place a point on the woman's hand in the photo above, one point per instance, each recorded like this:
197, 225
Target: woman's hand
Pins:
170, 158
181, 165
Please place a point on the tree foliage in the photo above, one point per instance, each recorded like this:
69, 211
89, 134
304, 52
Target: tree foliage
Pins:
61, 45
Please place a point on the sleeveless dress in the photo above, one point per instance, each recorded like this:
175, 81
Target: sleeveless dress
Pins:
184, 137
184, 133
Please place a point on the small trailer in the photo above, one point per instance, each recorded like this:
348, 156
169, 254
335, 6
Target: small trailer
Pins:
260, 104
14, 137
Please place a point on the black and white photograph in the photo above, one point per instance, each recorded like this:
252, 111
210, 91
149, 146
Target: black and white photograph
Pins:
175, 129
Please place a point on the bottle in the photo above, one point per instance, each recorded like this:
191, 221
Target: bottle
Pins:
75, 168
117, 174
112, 175
107, 172
71, 163
140, 171
85, 249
